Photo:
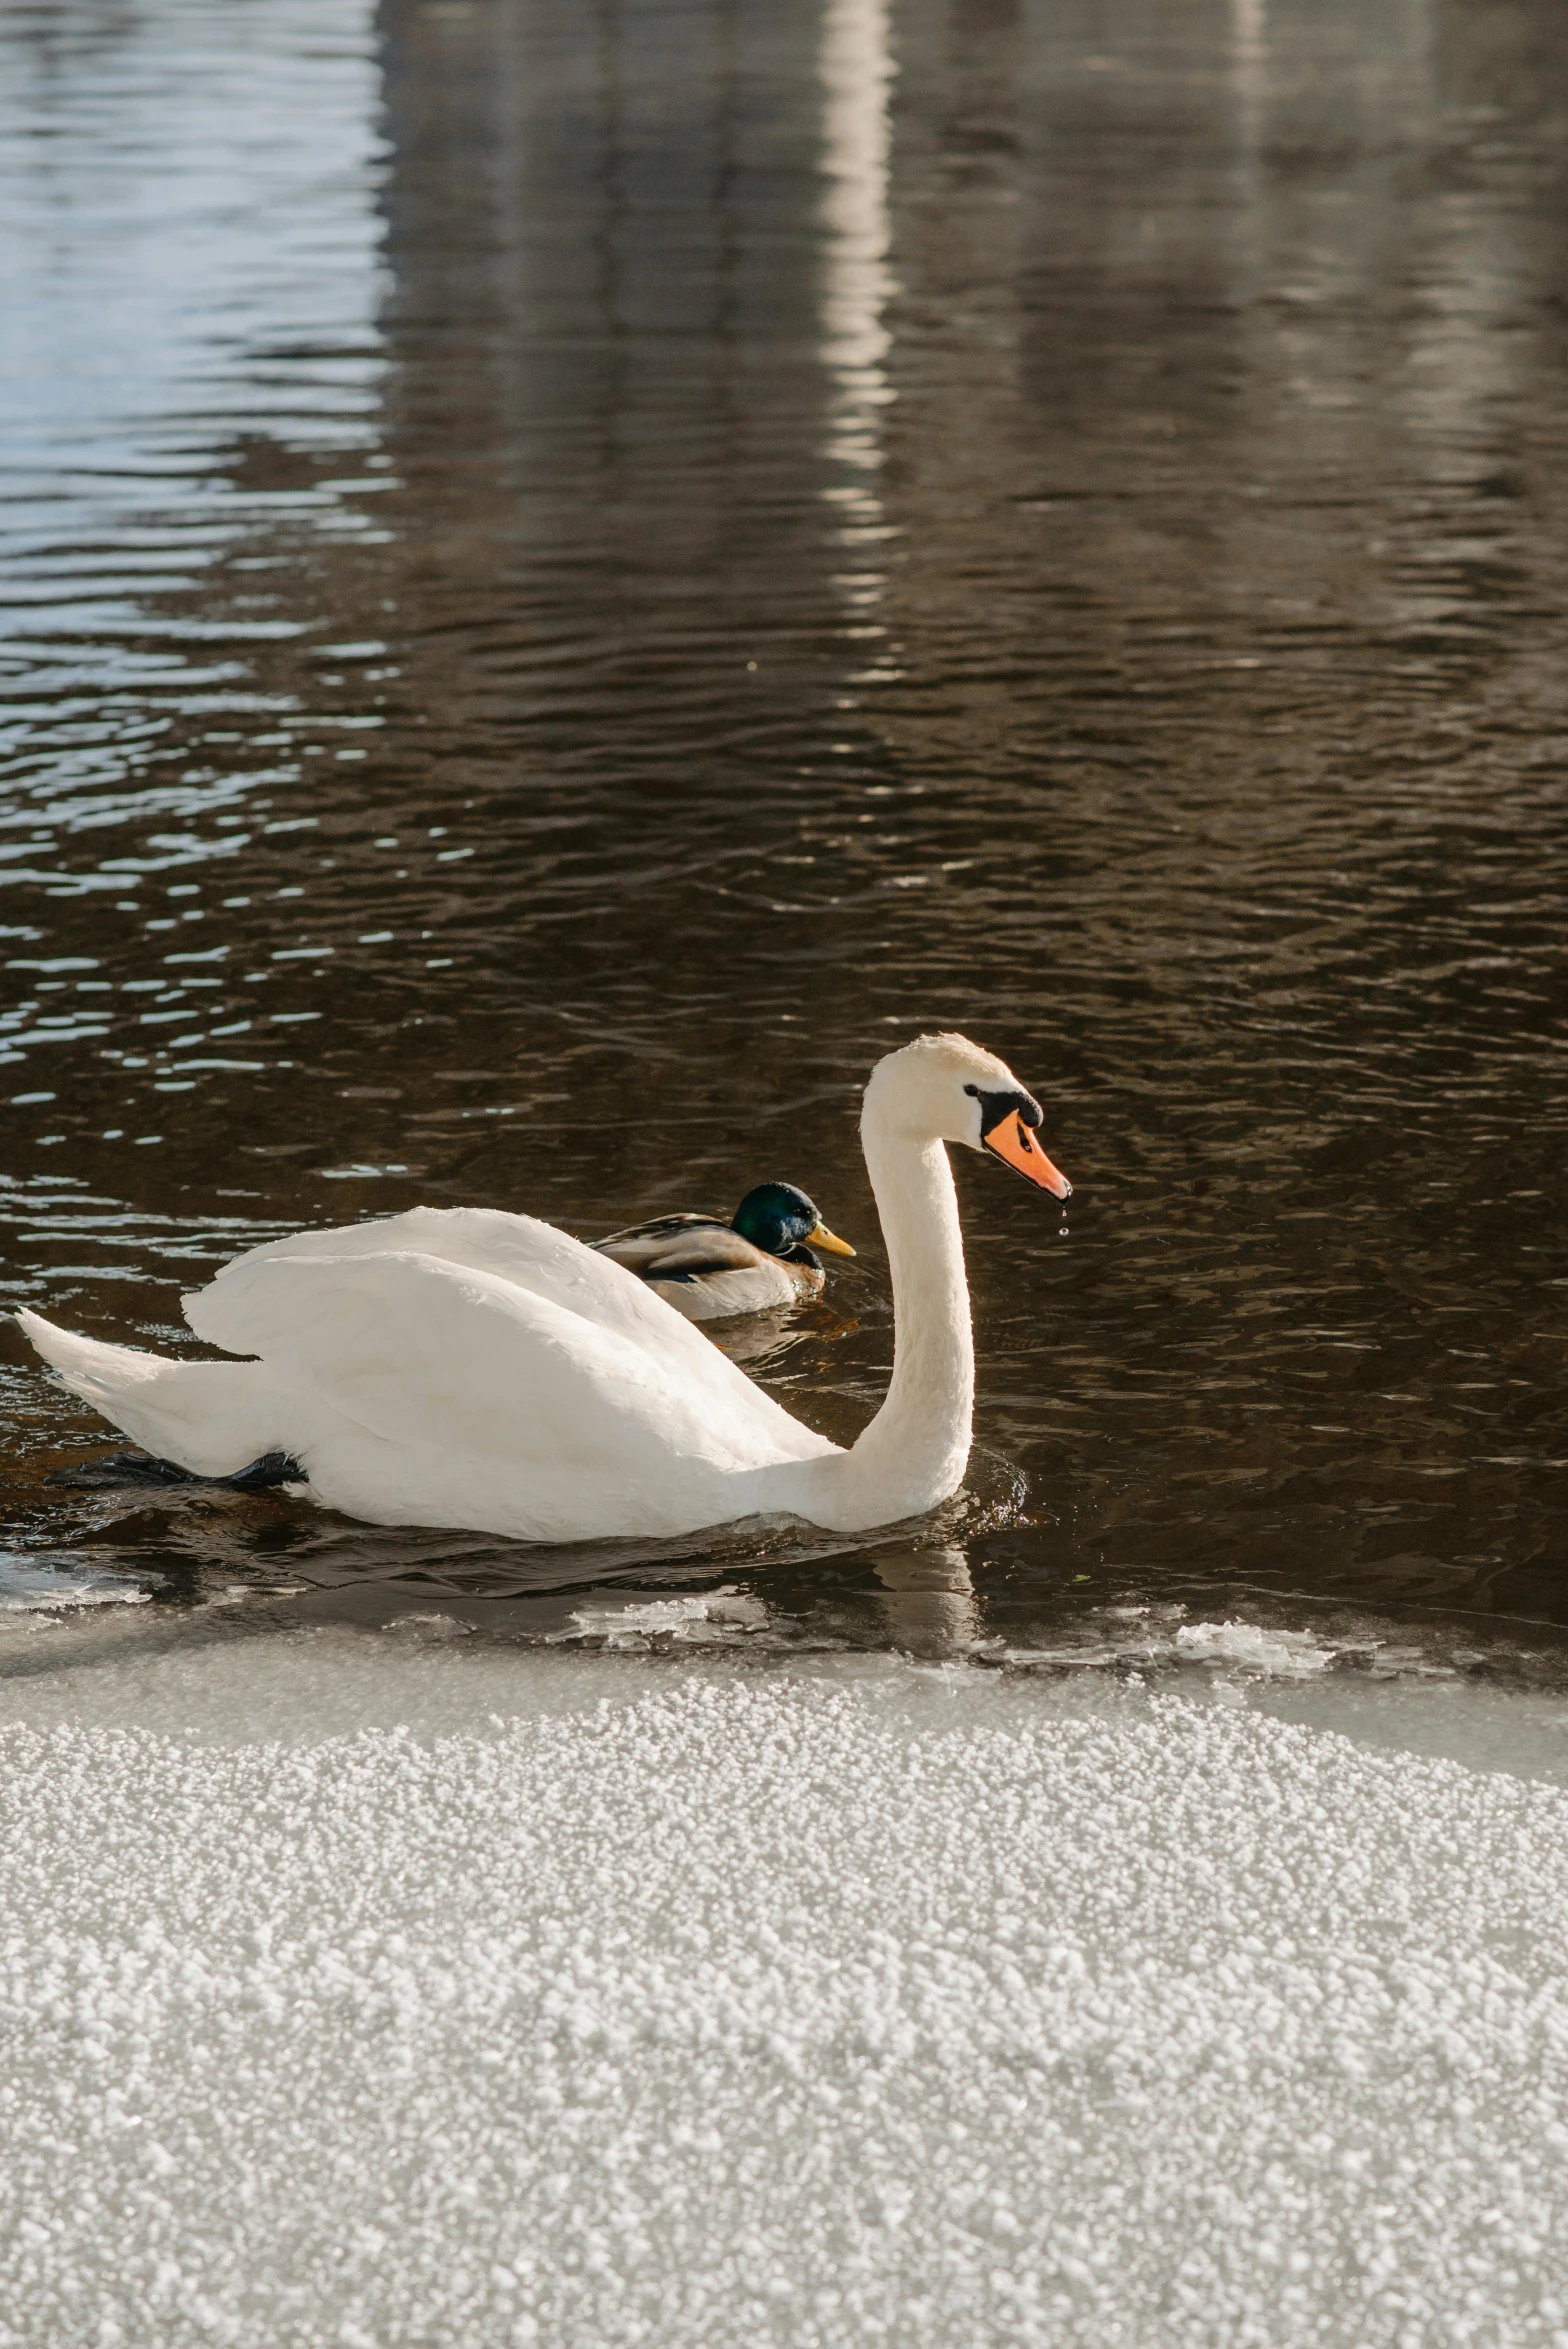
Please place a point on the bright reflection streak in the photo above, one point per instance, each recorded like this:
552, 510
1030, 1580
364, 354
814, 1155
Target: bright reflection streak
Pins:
856, 69
1249, 58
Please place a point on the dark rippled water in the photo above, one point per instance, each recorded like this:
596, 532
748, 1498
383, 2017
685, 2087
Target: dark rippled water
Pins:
574, 574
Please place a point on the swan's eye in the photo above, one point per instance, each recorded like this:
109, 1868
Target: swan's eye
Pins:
973, 1091
994, 1107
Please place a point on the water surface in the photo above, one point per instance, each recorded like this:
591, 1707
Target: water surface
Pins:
572, 576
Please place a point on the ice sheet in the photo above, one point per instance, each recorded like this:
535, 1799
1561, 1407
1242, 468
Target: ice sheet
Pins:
234, 1673
916, 2006
32, 1587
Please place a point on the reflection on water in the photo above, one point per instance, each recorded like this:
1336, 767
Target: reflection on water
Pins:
574, 575
857, 284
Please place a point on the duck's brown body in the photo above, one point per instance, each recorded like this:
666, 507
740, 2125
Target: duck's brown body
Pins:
706, 1270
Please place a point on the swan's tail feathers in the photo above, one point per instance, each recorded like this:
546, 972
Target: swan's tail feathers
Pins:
213, 1418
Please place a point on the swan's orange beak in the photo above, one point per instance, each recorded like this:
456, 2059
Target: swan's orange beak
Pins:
1013, 1141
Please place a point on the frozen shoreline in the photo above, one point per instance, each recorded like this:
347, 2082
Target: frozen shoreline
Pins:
768, 2009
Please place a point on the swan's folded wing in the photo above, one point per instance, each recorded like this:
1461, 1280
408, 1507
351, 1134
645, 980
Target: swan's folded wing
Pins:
423, 1352
517, 1248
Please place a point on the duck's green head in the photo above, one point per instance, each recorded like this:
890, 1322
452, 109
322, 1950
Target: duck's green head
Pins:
779, 1219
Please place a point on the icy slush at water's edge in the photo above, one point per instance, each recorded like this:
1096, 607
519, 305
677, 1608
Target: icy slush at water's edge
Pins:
42, 1586
938, 2006
242, 1671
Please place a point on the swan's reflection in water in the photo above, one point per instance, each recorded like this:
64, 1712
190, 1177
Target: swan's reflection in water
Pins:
929, 1605
985, 1584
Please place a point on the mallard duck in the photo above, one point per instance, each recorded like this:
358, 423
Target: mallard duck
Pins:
464, 1367
709, 1270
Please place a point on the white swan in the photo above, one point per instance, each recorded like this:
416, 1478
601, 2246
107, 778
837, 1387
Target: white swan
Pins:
463, 1367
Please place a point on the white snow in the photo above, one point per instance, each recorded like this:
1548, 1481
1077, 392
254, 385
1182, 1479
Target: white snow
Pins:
888, 2005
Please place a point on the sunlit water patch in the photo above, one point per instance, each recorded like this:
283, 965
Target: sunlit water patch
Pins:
189, 406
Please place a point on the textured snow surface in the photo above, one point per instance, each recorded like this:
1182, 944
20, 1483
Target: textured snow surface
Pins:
764, 2011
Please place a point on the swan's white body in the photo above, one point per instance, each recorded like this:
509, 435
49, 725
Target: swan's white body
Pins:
464, 1367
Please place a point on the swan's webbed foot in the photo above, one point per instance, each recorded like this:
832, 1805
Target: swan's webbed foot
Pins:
135, 1471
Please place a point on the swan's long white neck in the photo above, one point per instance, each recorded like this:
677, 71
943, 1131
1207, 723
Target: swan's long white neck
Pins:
915, 1451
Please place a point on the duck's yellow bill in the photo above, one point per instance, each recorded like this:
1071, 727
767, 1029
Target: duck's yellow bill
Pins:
1013, 1141
823, 1238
